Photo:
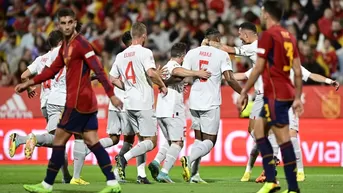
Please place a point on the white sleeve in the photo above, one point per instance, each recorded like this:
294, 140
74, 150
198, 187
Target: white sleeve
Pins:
187, 61
226, 64
33, 68
114, 70
170, 68
245, 50
305, 74
247, 73
53, 56
148, 61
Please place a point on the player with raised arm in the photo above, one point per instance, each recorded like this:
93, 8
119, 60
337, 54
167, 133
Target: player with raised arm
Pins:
205, 97
248, 34
170, 112
138, 71
80, 111
277, 55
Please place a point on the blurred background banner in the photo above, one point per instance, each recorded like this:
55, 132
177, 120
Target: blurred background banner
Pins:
319, 147
319, 102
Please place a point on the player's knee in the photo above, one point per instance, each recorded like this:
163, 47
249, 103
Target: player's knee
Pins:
115, 139
129, 138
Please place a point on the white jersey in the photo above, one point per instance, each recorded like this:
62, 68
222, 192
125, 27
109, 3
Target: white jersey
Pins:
37, 67
168, 105
58, 92
305, 74
132, 66
206, 94
117, 91
249, 50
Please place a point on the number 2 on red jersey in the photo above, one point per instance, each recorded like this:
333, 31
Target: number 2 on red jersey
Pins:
202, 63
130, 73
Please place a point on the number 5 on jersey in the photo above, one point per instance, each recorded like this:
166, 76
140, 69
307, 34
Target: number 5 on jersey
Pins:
203, 65
130, 73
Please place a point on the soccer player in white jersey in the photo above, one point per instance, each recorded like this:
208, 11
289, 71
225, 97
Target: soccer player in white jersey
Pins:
248, 35
118, 123
138, 71
205, 96
55, 40
170, 112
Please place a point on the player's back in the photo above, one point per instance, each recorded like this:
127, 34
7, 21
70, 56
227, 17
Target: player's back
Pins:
206, 94
117, 91
132, 66
278, 47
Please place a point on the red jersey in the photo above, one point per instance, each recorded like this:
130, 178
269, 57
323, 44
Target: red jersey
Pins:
79, 59
278, 47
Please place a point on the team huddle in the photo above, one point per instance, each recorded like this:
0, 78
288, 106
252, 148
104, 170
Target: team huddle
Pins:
69, 104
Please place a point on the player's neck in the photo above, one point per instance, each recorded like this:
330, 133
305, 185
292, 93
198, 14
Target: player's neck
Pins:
137, 42
68, 38
270, 23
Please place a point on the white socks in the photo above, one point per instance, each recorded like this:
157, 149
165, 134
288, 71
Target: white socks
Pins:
79, 153
298, 156
45, 139
162, 153
196, 163
200, 150
252, 158
274, 144
106, 142
139, 149
140, 161
172, 155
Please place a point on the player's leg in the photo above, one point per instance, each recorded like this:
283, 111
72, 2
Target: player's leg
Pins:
55, 163
261, 130
113, 130
293, 132
209, 125
154, 166
79, 153
146, 122
175, 134
195, 175
89, 127
253, 153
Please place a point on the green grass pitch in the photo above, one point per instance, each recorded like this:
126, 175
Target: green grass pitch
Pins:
221, 180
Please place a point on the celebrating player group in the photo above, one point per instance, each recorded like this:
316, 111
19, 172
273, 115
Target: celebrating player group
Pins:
69, 104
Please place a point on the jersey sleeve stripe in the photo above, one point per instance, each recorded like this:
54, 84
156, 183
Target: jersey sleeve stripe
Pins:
89, 54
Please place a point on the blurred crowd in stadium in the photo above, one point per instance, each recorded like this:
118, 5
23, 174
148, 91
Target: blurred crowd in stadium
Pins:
25, 25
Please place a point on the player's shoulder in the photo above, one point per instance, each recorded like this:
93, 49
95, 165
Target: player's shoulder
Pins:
82, 41
171, 63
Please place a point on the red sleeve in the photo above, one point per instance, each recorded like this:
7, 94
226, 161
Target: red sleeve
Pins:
94, 64
49, 73
264, 45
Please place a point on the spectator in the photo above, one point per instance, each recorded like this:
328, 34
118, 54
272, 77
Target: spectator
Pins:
160, 40
40, 46
309, 61
6, 79
326, 21
327, 58
312, 36
13, 52
28, 40
22, 66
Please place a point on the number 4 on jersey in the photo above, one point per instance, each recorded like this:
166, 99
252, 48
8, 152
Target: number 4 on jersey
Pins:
203, 63
130, 73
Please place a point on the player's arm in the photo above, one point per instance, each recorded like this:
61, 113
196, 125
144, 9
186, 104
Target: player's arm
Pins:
150, 68
179, 71
318, 78
226, 69
242, 76
115, 75
117, 82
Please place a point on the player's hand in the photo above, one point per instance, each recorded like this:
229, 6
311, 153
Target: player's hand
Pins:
31, 92
203, 74
164, 90
215, 44
205, 42
242, 101
335, 84
117, 102
298, 108
22, 87
162, 71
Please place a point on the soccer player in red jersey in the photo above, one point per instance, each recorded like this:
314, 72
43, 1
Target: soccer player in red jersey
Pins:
80, 113
277, 54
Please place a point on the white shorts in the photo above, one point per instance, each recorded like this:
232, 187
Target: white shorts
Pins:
206, 121
118, 123
257, 107
45, 113
54, 116
293, 120
173, 128
143, 122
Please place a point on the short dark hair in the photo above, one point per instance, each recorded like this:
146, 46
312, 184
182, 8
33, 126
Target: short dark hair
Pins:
212, 32
54, 38
248, 26
126, 38
274, 8
64, 12
178, 50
